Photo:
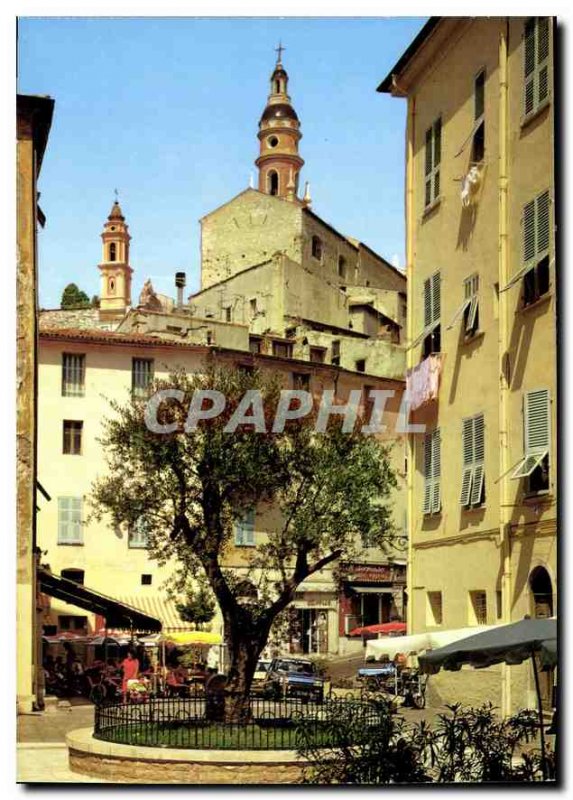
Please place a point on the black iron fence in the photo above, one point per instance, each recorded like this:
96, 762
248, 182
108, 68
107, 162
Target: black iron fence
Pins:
205, 722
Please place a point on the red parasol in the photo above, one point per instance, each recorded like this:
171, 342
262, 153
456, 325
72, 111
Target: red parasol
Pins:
383, 627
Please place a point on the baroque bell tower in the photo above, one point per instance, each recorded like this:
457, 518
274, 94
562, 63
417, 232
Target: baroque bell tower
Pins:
279, 162
115, 293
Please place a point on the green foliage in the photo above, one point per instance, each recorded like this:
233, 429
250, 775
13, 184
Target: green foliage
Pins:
465, 745
199, 606
72, 297
328, 493
95, 301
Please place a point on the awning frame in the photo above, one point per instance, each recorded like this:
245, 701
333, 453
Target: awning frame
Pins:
117, 615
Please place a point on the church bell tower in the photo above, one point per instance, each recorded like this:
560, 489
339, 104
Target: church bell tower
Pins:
115, 293
279, 134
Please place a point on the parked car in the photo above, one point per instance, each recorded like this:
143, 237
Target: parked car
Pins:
293, 677
259, 678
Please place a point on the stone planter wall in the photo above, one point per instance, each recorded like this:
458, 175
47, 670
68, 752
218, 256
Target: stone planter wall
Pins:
121, 763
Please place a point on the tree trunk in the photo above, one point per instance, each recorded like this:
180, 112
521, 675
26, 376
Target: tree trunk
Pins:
245, 648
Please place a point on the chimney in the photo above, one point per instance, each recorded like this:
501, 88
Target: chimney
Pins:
180, 284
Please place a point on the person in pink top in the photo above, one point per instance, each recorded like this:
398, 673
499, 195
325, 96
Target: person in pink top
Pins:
130, 668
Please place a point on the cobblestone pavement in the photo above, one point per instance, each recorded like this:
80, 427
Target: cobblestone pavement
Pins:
40, 762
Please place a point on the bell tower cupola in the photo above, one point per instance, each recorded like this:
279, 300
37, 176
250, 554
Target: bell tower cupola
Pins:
115, 293
279, 162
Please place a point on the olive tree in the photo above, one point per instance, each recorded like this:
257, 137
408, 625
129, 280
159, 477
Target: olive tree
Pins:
328, 492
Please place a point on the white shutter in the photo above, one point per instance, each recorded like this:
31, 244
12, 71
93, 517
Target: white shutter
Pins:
468, 458
537, 421
477, 485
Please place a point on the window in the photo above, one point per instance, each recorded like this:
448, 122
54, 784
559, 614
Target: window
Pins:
113, 252
536, 222
228, 314
255, 344
432, 330
301, 380
70, 520
72, 444
478, 144
141, 376
245, 530
73, 375
535, 64
478, 608
342, 267
316, 248
434, 610
282, 349
272, 141
432, 163
498, 604
317, 354
69, 622
253, 306
273, 182
432, 472
473, 454
75, 575
209, 337
469, 309
360, 365
335, 352
138, 534
146, 579
537, 437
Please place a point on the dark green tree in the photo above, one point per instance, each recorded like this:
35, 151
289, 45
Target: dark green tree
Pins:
328, 492
199, 606
72, 297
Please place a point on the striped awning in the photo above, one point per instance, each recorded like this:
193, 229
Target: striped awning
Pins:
162, 608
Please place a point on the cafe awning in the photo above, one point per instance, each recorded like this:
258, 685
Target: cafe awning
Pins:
117, 614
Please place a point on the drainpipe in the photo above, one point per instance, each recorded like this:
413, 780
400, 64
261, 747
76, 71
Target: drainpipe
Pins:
504, 465
410, 336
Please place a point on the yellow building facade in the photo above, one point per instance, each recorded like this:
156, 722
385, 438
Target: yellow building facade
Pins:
482, 367
80, 373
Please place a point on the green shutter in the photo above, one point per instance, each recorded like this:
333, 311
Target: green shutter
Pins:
427, 303
542, 59
537, 421
529, 66
529, 232
436, 471
427, 473
436, 304
542, 223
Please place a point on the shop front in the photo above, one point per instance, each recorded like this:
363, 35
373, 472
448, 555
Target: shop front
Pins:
312, 624
370, 594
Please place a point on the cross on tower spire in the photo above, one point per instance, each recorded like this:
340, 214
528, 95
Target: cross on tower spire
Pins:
279, 50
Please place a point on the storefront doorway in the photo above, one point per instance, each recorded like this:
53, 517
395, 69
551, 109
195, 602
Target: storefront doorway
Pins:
312, 625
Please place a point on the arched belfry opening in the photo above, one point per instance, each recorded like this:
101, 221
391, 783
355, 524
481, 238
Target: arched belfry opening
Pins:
273, 182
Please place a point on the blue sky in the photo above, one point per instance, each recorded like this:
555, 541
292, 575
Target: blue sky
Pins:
166, 110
